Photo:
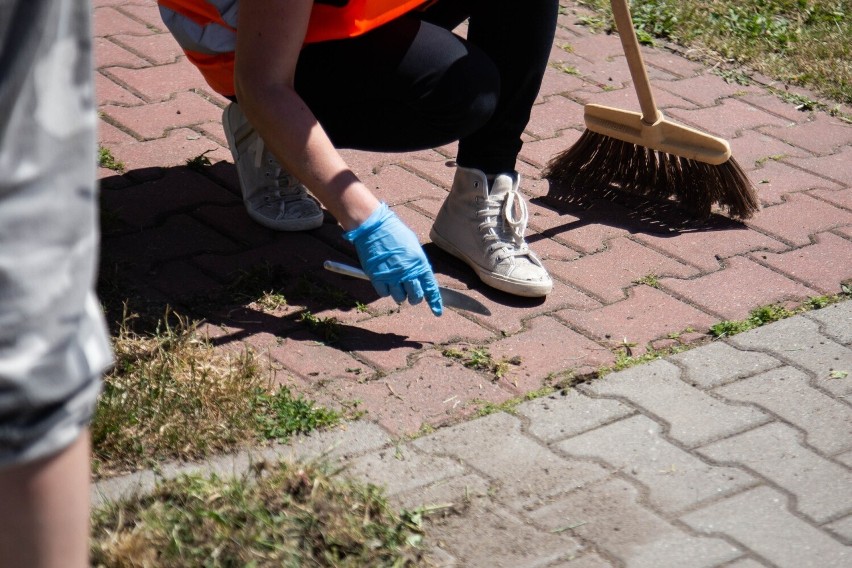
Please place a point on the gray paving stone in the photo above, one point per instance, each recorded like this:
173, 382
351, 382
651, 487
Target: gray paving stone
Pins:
842, 528
745, 563
526, 472
399, 469
489, 536
439, 558
694, 417
835, 321
845, 458
608, 514
674, 478
718, 363
590, 560
456, 492
787, 393
338, 444
823, 489
760, 520
559, 416
798, 341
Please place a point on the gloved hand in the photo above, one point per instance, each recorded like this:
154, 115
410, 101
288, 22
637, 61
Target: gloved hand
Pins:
392, 257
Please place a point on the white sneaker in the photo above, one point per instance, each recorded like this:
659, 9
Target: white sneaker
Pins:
273, 197
481, 227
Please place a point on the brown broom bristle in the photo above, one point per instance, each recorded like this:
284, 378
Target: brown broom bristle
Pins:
597, 161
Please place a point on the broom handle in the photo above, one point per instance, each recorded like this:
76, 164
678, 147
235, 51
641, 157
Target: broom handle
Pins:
624, 24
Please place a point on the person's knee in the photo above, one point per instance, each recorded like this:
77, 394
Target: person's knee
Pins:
468, 94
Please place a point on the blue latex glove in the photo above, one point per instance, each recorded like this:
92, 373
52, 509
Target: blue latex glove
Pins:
392, 257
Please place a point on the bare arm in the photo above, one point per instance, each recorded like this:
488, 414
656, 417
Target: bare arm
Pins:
269, 38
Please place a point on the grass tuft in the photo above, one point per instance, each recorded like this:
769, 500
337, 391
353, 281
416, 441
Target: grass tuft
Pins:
172, 395
108, 161
280, 515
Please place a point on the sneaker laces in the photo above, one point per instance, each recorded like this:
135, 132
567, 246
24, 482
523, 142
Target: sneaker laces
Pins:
510, 243
288, 187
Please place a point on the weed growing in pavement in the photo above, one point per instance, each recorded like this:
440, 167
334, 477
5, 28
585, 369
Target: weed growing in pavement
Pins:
199, 162
775, 312
651, 280
277, 515
108, 161
479, 359
327, 328
172, 395
509, 406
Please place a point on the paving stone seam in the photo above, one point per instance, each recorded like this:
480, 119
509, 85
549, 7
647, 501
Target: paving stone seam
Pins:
767, 130
159, 27
526, 423
642, 501
665, 426
737, 133
130, 49
777, 418
146, 100
686, 373
789, 506
792, 498
644, 490
726, 265
812, 379
768, 111
777, 270
814, 172
822, 328
115, 123
719, 259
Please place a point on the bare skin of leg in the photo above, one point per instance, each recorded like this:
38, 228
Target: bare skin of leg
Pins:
44, 510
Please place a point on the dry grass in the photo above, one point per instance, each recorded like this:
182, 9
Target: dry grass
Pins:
281, 515
172, 395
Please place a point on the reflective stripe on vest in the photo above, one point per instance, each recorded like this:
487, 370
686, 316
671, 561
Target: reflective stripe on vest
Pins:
206, 29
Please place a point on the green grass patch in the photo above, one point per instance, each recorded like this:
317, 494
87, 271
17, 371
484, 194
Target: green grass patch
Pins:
651, 280
775, 312
328, 329
799, 42
283, 515
108, 161
173, 395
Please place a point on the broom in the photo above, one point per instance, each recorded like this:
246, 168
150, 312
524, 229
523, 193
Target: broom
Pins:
647, 154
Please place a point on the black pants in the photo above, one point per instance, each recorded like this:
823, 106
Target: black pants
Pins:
412, 84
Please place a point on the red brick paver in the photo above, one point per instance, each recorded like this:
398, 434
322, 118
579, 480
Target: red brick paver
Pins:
180, 233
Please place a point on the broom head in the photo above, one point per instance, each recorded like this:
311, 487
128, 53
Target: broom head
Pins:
663, 160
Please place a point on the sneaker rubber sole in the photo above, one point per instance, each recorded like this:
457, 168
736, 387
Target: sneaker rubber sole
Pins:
522, 288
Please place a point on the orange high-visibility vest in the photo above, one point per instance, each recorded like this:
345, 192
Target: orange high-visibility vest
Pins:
206, 29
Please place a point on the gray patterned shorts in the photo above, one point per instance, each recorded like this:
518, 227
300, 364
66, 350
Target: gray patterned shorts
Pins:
53, 341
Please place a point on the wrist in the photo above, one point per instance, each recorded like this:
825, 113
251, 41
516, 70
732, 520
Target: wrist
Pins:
369, 224
356, 205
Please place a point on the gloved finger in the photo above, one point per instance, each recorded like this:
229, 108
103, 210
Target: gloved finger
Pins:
382, 289
397, 292
414, 291
433, 295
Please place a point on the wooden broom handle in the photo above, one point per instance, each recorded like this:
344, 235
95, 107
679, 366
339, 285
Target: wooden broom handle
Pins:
630, 44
